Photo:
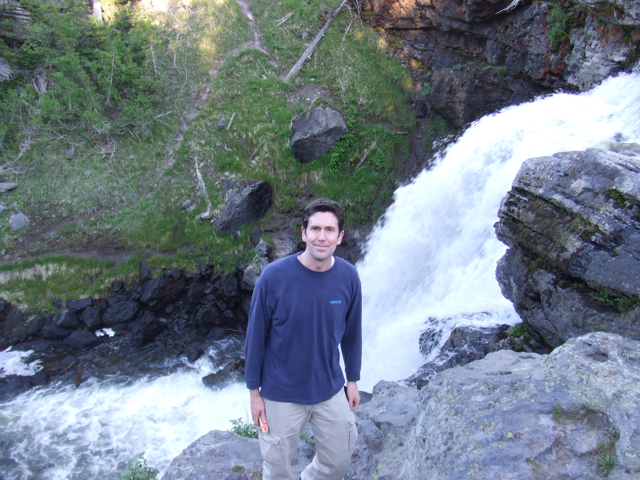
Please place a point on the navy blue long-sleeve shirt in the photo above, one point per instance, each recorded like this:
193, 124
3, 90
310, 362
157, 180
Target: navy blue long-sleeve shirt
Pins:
298, 319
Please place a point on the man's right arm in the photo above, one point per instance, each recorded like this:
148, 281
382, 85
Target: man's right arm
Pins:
257, 407
255, 345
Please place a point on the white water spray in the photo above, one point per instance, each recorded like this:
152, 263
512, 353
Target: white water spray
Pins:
431, 262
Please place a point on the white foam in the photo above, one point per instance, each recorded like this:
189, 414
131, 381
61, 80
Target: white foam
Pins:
14, 363
90, 432
432, 260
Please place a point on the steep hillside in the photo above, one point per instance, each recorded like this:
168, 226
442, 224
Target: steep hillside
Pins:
103, 124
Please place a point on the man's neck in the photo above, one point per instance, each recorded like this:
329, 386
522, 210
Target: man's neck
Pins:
312, 264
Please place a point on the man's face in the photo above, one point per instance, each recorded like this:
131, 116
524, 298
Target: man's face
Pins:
322, 235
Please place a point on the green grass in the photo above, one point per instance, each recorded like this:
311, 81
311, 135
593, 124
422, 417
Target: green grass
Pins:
128, 188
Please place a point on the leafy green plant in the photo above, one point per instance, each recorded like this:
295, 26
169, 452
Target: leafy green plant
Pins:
306, 438
606, 465
426, 91
558, 32
137, 469
244, 428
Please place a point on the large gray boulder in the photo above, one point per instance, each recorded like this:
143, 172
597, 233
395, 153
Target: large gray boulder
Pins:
525, 416
247, 204
571, 221
519, 416
313, 135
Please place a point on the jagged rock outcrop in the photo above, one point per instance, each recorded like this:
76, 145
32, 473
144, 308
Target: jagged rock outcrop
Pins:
572, 414
475, 57
572, 222
527, 416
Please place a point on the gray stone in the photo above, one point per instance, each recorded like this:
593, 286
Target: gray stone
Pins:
6, 186
263, 248
526, 416
18, 221
231, 373
157, 293
79, 304
186, 204
283, 245
65, 319
571, 223
215, 456
91, 318
3, 209
464, 345
69, 153
222, 123
121, 312
80, 224
312, 136
595, 57
81, 339
245, 205
249, 278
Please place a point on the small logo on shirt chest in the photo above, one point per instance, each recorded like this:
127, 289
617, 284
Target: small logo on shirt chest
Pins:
335, 302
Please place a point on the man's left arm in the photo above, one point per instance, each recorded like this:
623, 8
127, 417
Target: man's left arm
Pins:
351, 346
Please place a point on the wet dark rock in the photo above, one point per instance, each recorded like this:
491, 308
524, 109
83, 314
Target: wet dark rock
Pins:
244, 205
66, 319
195, 353
421, 108
571, 222
13, 385
145, 274
13, 327
79, 305
157, 293
231, 373
146, 328
120, 312
34, 325
92, 318
314, 134
53, 331
465, 345
478, 58
81, 340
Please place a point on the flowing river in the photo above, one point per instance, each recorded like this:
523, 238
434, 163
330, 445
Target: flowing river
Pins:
430, 264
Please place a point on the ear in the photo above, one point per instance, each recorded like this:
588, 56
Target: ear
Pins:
340, 238
304, 235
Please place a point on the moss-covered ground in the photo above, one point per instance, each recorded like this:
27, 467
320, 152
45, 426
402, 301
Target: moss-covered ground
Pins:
117, 199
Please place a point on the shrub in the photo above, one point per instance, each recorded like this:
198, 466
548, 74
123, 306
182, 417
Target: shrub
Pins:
137, 469
244, 429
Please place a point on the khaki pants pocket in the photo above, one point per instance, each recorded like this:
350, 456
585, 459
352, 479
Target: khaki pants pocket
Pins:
272, 449
353, 433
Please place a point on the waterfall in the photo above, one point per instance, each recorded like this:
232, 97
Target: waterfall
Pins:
429, 264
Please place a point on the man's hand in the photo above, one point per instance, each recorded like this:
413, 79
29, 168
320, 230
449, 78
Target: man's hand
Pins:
353, 395
257, 406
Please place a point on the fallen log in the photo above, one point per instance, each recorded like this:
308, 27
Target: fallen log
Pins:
307, 53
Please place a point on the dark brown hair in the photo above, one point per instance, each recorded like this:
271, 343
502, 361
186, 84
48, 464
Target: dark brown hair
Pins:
323, 205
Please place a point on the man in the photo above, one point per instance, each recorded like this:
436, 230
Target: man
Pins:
304, 307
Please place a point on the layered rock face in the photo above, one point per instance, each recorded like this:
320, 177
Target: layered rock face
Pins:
474, 57
526, 416
572, 222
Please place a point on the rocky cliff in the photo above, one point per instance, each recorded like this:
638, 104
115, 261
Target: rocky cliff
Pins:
474, 57
573, 227
572, 414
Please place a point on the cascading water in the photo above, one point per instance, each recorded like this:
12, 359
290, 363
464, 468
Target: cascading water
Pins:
429, 264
